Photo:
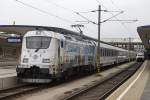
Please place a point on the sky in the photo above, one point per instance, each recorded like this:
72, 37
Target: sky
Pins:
61, 13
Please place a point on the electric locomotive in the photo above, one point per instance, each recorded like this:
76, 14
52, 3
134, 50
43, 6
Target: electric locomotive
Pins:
48, 55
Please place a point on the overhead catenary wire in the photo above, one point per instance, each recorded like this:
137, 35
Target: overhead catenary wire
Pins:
87, 19
78, 13
74, 12
120, 9
70, 10
115, 17
112, 17
51, 14
45, 12
115, 5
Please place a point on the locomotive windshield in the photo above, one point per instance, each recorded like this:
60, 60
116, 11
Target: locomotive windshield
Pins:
38, 42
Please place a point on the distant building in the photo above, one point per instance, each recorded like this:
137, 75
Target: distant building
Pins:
134, 44
9, 51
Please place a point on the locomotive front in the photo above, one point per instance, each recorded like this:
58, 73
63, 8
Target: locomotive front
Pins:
38, 56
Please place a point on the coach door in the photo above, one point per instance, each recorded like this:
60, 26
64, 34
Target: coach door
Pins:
61, 52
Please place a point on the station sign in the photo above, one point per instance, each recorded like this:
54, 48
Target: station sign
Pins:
14, 39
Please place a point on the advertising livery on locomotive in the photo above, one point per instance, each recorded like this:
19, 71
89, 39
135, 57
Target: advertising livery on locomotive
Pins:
48, 55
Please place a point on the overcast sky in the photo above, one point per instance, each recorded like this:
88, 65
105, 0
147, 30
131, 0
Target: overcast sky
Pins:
60, 13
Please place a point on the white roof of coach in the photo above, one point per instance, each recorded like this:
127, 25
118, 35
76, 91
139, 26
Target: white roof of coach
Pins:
111, 47
45, 33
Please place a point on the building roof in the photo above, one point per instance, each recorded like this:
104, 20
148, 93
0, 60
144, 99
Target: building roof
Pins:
22, 29
144, 33
122, 40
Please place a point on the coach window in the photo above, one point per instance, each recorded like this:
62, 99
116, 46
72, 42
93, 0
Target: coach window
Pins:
103, 52
106, 52
1, 52
62, 44
113, 52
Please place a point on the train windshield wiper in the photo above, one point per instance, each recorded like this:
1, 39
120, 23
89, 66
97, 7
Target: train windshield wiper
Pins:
37, 49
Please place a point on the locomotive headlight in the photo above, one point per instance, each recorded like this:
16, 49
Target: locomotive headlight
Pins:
46, 61
25, 60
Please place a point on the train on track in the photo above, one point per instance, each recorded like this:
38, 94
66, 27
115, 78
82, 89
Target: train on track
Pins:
140, 57
59, 53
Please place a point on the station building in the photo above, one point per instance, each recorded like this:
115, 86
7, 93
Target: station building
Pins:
134, 44
11, 40
144, 33
9, 52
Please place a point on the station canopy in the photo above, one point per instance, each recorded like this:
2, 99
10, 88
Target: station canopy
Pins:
11, 32
144, 33
20, 29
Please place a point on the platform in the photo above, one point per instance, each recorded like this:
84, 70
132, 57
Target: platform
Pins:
8, 77
7, 71
137, 87
62, 90
8, 63
146, 92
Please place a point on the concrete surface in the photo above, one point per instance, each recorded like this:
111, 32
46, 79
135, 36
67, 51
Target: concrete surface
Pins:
55, 92
8, 77
134, 87
7, 63
146, 93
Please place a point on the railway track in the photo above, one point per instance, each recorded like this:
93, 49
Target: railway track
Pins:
7, 94
102, 89
30, 88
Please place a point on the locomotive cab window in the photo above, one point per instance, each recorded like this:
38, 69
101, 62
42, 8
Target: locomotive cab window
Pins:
38, 42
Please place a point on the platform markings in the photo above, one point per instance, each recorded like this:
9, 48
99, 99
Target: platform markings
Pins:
127, 89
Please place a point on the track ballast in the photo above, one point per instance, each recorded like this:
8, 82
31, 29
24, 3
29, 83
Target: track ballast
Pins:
103, 89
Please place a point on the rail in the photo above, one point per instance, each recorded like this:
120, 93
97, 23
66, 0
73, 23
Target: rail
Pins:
101, 90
